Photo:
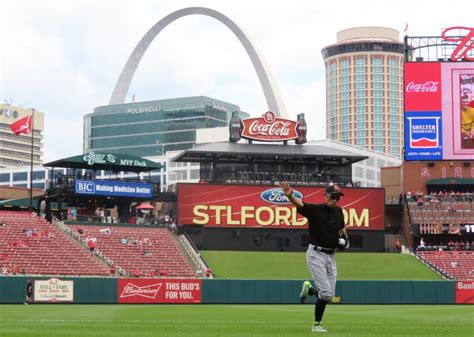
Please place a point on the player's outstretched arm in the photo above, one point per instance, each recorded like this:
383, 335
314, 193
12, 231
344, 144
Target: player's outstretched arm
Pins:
289, 194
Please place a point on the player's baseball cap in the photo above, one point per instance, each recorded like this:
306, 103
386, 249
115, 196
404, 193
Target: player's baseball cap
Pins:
334, 190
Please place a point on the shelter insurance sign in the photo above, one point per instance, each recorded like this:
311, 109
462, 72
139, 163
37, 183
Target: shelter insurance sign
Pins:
113, 188
267, 206
135, 290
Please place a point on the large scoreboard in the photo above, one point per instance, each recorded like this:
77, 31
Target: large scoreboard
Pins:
439, 110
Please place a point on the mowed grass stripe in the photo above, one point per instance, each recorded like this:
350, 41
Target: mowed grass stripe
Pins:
288, 266
234, 320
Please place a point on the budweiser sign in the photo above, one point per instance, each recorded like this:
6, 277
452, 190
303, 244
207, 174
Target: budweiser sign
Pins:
269, 128
149, 291
465, 43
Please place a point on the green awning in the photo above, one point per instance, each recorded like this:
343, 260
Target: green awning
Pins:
106, 161
21, 202
451, 181
25, 203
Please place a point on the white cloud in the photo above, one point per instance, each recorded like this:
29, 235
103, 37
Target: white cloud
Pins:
64, 57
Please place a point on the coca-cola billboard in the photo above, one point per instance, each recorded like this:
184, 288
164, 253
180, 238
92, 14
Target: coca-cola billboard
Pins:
269, 128
422, 87
136, 290
439, 105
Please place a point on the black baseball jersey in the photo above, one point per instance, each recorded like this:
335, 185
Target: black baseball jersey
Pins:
324, 223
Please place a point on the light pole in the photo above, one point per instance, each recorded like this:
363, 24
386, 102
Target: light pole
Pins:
162, 162
162, 147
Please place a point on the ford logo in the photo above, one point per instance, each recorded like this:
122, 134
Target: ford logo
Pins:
276, 196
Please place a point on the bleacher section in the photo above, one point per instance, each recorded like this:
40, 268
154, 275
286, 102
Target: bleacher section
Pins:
30, 245
148, 252
454, 265
443, 209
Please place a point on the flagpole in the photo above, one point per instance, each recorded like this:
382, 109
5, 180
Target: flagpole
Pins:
31, 163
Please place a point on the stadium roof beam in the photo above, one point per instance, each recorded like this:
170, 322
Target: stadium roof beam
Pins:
227, 152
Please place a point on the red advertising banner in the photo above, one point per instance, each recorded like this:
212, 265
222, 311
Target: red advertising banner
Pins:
269, 128
266, 206
136, 290
422, 86
465, 292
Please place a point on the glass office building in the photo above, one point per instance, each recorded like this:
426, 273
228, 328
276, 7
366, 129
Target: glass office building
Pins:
364, 89
151, 128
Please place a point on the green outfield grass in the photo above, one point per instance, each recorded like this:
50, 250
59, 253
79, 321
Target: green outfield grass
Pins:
234, 320
288, 266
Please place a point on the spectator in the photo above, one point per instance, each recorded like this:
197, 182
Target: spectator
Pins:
102, 215
91, 245
4, 224
420, 201
124, 241
174, 228
462, 245
28, 232
398, 245
137, 272
451, 245
422, 244
456, 245
73, 213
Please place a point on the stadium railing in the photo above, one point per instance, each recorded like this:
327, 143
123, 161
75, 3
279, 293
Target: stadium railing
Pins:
194, 255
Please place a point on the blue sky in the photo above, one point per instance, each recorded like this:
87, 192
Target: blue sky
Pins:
64, 57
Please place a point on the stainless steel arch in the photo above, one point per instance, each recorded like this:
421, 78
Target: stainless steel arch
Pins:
269, 86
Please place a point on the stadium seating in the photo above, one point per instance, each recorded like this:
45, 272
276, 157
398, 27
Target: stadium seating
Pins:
30, 245
455, 265
445, 209
160, 257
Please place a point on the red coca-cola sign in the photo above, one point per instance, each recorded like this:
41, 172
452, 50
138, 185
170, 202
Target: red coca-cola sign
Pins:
269, 128
422, 86
135, 290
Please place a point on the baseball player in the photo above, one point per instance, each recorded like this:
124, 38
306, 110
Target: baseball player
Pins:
326, 233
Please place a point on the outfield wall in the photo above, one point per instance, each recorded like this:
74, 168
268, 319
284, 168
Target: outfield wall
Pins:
134, 290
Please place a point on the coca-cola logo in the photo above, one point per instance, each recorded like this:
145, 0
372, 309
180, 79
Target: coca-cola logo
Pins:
269, 128
428, 86
149, 291
274, 129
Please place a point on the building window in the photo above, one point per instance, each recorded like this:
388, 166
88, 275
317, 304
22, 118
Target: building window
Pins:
20, 176
4, 177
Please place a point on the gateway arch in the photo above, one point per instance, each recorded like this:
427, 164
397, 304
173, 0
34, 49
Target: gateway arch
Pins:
268, 83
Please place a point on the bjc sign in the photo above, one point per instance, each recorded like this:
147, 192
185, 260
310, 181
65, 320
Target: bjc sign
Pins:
136, 290
422, 87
